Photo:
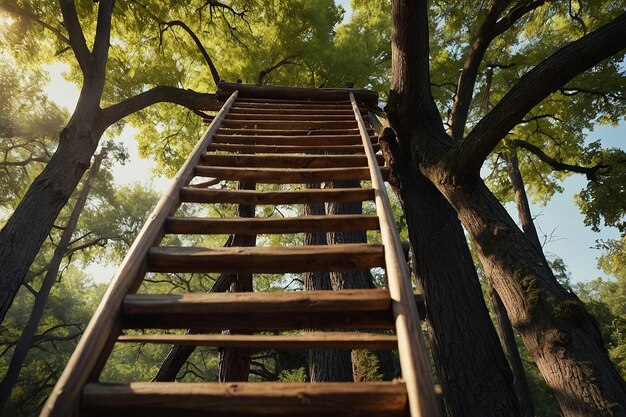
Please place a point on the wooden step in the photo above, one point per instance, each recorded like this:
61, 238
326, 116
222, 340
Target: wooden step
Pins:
286, 175
254, 149
292, 105
290, 125
239, 399
284, 132
305, 196
311, 140
279, 225
279, 116
308, 340
333, 258
269, 310
364, 308
248, 110
288, 161
344, 102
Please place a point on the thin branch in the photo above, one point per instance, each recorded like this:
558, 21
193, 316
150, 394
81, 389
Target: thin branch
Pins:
606, 95
285, 61
487, 32
103, 35
75, 31
589, 172
27, 14
546, 78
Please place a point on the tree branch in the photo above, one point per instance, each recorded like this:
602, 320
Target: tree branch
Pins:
487, 32
27, 14
590, 172
76, 35
199, 45
546, 78
285, 61
161, 94
103, 35
606, 95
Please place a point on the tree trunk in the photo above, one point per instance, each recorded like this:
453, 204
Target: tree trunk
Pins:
560, 334
27, 228
26, 339
475, 377
234, 364
325, 365
509, 346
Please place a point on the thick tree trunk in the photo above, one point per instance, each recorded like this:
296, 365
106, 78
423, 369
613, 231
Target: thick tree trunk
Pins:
234, 364
471, 366
560, 334
26, 339
27, 228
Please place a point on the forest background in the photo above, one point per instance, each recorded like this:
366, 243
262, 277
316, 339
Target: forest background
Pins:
326, 44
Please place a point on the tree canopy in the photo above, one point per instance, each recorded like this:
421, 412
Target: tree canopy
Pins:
505, 81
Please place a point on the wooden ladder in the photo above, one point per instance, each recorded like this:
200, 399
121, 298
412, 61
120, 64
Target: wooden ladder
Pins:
278, 141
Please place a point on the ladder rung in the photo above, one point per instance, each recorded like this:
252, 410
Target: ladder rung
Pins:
286, 116
366, 308
290, 125
294, 111
288, 161
291, 101
193, 195
340, 149
313, 140
308, 340
269, 399
286, 175
269, 310
341, 257
296, 132
279, 225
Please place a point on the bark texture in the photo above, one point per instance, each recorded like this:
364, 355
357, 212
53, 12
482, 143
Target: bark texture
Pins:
471, 366
509, 346
560, 335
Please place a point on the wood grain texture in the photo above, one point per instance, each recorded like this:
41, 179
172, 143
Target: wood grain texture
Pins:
284, 175
308, 340
302, 196
287, 161
285, 149
278, 115
328, 399
290, 125
284, 132
277, 225
266, 259
369, 308
293, 110
277, 93
310, 140
414, 361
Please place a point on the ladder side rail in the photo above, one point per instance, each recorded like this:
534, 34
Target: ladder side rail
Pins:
414, 362
64, 398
